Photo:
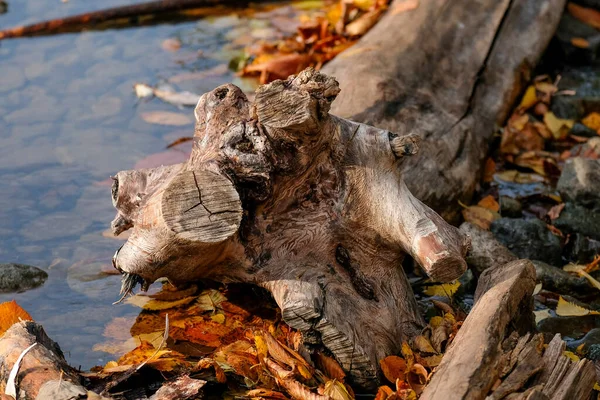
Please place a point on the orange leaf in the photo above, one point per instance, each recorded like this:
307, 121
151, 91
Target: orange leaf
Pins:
586, 15
490, 203
383, 393
10, 314
489, 170
393, 367
580, 42
592, 121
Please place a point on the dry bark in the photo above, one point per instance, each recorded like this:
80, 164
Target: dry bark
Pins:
43, 371
310, 206
473, 362
449, 71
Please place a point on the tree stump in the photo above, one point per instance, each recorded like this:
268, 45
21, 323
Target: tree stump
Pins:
312, 207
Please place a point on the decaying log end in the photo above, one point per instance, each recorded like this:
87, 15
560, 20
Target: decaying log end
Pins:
312, 207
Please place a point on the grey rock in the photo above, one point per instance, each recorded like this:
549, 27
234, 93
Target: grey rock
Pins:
20, 277
585, 81
528, 238
578, 219
486, 251
582, 249
580, 129
510, 207
580, 182
556, 280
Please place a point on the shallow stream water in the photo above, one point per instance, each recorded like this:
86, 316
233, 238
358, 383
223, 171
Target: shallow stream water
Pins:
68, 120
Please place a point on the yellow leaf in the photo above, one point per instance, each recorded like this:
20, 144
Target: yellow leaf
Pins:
261, 347
559, 127
336, 390
572, 355
592, 121
436, 321
581, 270
596, 386
220, 318
10, 314
566, 309
408, 355
364, 5
148, 303
529, 98
444, 290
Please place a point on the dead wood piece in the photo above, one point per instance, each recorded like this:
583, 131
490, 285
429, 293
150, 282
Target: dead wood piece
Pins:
43, 372
450, 73
563, 378
78, 22
471, 364
310, 206
528, 363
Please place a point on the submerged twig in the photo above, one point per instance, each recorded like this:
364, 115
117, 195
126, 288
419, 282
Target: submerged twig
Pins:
80, 21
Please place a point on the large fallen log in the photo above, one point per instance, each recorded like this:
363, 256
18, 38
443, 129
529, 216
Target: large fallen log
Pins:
310, 206
449, 71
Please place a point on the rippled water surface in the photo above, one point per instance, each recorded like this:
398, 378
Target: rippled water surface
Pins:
68, 120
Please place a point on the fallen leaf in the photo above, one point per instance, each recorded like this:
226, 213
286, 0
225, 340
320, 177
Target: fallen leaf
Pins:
148, 303
443, 290
529, 98
10, 314
592, 121
554, 212
263, 393
383, 393
403, 6
432, 361
518, 177
559, 127
489, 170
565, 308
555, 230
417, 378
584, 14
166, 118
490, 203
583, 271
480, 216
580, 43
422, 344
574, 357
541, 315
336, 390
330, 367
210, 300
393, 367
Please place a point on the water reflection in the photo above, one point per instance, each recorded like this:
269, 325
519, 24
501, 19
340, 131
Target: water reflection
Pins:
68, 120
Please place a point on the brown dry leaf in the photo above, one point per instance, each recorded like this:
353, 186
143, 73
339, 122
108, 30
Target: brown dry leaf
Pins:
404, 6
559, 127
179, 141
417, 378
516, 139
10, 314
210, 300
423, 345
432, 361
489, 170
287, 356
169, 292
580, 42
205, 332
535, 160
480, 216
263, 393
565, 308
279, 66
145, 351
584, 14
511, 175
554, 212
546, 90
490, 203
206, 363
148, 303
166, 118
592, 121
393, 367
330, 367
555, 230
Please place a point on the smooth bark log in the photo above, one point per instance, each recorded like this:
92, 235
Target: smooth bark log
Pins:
308, 205
449, 71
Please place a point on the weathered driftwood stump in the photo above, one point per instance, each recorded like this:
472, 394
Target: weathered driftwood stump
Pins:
310, 206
